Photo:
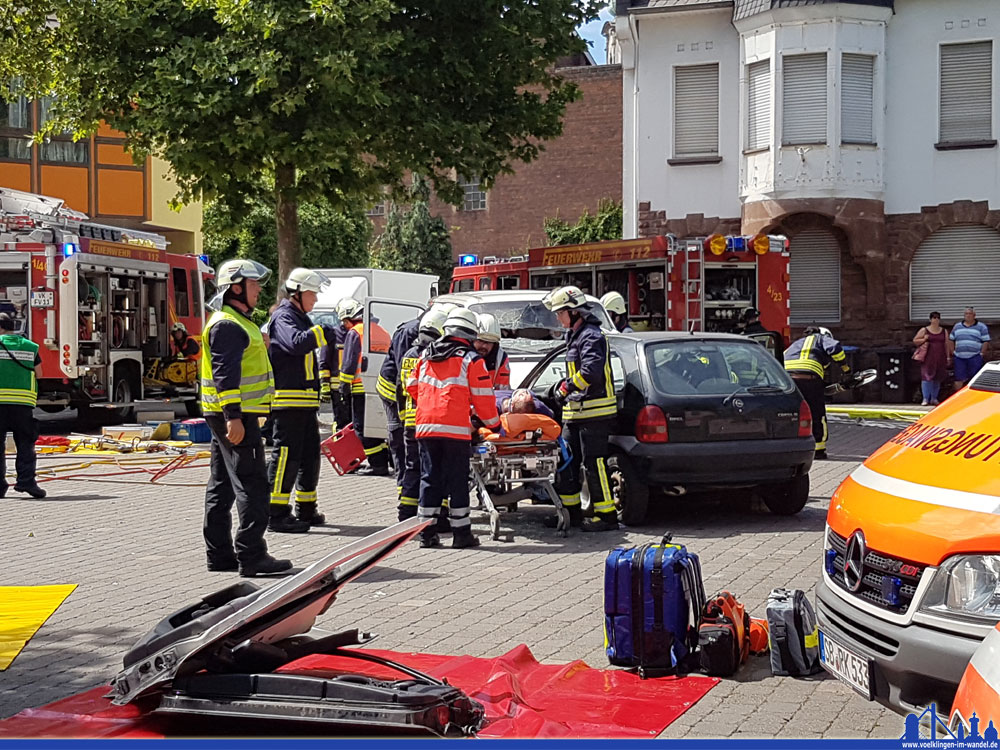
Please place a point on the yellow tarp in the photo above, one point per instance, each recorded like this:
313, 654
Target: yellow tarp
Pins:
23, 610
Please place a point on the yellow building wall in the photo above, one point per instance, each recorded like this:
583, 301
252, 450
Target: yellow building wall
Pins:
182, 228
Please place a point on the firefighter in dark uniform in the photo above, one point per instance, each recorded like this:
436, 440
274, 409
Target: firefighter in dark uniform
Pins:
295, 459
589, 408
352, 390
237, 386
387, 387
751, 322
807, 361
330, 357
20, 366
430, 329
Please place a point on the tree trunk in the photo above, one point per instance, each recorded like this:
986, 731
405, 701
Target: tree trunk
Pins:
287, 214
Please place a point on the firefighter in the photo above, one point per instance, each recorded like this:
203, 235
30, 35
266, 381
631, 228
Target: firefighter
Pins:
20, 367
237, 387
807, 361
449, 383
487, 344
751, 321
185, 346
589, 408
387, 387
352, 390
295, 459
430, 329
614, 303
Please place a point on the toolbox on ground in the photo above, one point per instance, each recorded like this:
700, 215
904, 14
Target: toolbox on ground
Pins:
344, 450
653, 601
218, 657
128, 432
195, 430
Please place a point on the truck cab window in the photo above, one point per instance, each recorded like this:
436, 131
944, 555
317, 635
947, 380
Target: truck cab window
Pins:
181, 295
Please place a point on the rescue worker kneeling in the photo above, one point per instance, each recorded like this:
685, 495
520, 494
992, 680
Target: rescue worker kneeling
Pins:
589, 406
807, 361
450, 382
295, 459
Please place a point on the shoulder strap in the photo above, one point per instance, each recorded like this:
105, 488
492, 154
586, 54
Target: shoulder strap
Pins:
15, 360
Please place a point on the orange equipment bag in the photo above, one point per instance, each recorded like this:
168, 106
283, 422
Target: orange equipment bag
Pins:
723, 635
344, 450
758, 635
526, 427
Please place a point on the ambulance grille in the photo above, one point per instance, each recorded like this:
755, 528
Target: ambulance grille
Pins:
988, 379
877, 567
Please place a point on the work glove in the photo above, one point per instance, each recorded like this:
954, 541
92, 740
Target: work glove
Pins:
345, 391
561, 393
324, 389
501, 431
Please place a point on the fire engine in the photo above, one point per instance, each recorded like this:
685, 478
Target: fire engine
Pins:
99, 301
694, 284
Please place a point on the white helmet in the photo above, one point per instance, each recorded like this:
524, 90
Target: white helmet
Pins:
432, 321
613, 302
825, 332
304, 280
178, 326
565, 298
236, 271
349, 309
489, 329
462, 323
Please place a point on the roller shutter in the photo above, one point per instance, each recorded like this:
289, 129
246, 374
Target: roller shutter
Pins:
814, 277
954, 268
856, 96
696, 110
967, 92
758, 105
803, 111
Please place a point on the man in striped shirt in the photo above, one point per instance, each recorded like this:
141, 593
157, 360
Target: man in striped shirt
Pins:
970, 344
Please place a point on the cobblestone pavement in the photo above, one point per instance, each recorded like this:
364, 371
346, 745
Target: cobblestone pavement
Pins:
136, 552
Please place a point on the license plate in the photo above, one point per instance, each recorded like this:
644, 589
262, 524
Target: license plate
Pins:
845, 665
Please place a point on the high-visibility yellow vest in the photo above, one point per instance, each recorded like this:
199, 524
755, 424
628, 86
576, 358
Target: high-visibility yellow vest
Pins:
256, 380
17, 371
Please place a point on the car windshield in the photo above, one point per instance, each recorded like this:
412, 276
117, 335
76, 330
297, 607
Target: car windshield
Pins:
527, 326
717, 368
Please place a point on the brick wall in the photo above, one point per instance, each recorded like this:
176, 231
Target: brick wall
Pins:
572, 175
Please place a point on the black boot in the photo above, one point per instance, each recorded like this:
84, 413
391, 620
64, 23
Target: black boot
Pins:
601, 522
820, 455
32, 489
575, 518
429, 540
464, 538
406, 512
223, 564
443, 526
306, 513
265, 566
281, 521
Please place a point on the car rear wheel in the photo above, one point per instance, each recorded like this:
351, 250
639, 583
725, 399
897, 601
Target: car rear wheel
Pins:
629, 493
787, 498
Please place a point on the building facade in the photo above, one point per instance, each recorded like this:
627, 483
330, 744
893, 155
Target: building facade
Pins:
573, 174
864, 130
94, 175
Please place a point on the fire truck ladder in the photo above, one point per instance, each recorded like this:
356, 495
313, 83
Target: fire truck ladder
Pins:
693, 279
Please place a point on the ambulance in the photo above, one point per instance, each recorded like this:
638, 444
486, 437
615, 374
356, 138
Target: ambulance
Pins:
911, 570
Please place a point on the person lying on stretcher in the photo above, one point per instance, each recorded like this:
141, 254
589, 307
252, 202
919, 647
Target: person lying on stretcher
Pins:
520, 427
521, 401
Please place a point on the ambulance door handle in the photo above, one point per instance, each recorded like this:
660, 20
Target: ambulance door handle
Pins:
364, 364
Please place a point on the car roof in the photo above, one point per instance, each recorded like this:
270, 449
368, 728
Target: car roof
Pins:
652, 337
502, 295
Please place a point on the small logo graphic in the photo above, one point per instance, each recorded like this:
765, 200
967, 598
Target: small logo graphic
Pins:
854, 561
929, 729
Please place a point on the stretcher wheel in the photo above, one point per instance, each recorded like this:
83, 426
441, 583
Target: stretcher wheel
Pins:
494, 525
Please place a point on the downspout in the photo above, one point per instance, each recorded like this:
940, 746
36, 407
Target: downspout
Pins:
634, 30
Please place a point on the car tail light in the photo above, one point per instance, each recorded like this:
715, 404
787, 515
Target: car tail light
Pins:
805, 420
651, 425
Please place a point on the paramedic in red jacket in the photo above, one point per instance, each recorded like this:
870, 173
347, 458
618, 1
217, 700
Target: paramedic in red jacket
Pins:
487, 343
448, 384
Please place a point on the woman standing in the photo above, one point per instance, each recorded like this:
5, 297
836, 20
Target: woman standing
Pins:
934, 365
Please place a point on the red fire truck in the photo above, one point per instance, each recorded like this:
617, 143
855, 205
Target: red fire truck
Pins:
99, 301
695, 284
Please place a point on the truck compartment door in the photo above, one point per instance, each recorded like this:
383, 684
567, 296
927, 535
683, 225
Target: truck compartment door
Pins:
382, 318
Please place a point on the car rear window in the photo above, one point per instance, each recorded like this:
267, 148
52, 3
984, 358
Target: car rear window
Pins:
527, 326
715, 368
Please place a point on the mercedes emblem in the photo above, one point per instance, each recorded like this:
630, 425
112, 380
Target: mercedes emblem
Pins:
854, 561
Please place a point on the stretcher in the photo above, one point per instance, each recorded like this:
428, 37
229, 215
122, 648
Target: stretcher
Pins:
508, 469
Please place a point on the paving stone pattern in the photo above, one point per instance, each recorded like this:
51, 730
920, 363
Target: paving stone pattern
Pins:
136, 552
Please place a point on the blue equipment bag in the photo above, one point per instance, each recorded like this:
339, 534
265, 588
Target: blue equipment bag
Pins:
653, 601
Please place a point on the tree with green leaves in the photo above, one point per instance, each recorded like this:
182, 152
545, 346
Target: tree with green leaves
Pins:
606, 224
331, 99
330, 238
414, 240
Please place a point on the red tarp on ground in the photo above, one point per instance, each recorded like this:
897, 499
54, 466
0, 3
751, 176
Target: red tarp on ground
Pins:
522, 698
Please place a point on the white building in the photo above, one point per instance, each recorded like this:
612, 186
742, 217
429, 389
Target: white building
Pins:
865, 130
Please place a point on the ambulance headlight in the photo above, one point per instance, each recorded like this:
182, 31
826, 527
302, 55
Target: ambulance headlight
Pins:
967, 586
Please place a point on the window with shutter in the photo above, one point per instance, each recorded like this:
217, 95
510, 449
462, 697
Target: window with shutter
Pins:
696, 110
758, 105
803, 111
857, 95
966, 92
954, 268
814, 277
